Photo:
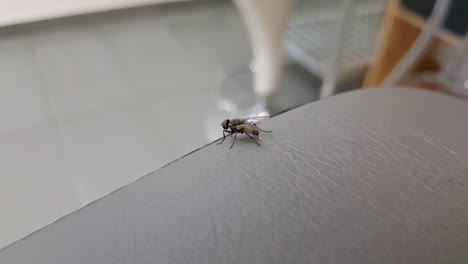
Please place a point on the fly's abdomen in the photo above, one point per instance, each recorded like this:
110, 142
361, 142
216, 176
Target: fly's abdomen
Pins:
251, 131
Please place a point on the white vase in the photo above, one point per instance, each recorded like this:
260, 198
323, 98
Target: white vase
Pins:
266, 22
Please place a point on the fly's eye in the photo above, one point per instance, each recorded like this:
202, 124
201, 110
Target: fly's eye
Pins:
225, 124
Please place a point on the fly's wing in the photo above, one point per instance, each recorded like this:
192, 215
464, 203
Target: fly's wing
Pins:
254, 119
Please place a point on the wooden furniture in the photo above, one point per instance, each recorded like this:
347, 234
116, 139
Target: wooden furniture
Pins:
400, 29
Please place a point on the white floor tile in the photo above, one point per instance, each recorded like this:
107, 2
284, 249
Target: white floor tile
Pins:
23, 103
81, 77
35, 189
108, 151
157, 64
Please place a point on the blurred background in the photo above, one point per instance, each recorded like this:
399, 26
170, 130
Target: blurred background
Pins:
96, 94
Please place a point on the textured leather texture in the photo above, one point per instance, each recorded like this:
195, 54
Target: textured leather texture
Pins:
374, 176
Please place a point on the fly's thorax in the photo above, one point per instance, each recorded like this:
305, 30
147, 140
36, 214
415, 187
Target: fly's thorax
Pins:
236, 121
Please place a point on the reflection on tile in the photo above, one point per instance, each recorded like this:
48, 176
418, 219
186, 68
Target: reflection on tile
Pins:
297, 87
23, 103
110, 150
195, 28
35, 188
81, 75
192, 121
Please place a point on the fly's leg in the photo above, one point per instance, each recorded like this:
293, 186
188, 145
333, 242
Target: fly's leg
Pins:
234, 140
224, 135
262, 129
253, 139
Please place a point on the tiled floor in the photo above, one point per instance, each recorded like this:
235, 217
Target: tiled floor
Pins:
91, 103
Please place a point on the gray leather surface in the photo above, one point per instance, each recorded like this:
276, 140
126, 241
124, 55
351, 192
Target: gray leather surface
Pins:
375, 176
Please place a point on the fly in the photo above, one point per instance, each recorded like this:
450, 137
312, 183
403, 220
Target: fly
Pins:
246, 126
